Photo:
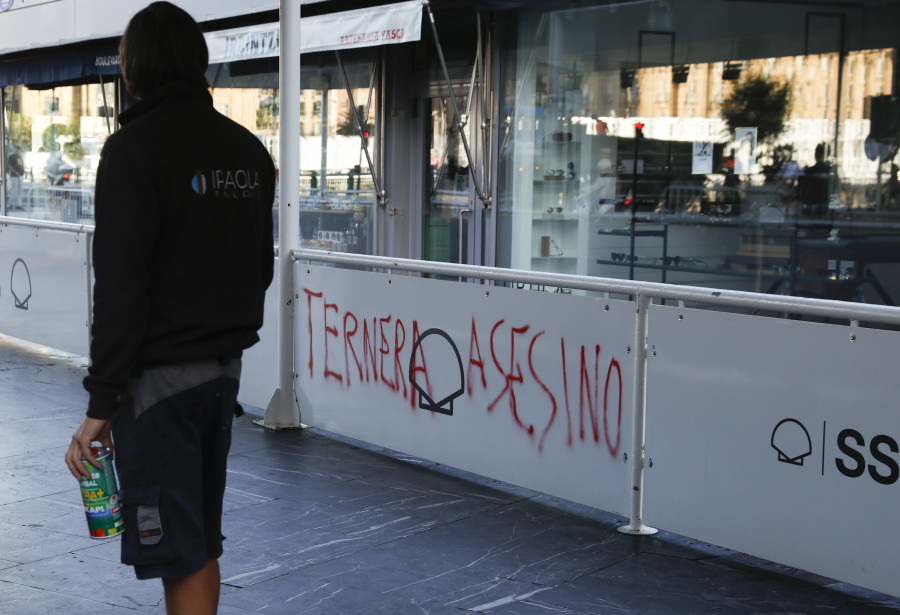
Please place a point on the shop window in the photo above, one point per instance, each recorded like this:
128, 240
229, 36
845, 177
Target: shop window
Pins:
337, 198
337, 188
60, 134
763, 174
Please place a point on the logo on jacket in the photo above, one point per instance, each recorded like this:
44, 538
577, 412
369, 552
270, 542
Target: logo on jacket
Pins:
226, 183
198, 183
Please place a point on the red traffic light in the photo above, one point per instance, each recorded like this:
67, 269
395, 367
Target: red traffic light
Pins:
639, 130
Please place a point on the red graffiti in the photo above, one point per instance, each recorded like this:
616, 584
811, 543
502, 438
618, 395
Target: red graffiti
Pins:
376, 353
473, 362
330, 331
543, 388
613, 449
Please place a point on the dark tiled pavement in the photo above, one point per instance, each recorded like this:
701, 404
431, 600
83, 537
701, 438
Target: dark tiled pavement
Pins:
321, 525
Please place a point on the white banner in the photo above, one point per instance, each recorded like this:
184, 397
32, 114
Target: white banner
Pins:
381, 25
34, 24
44, 287
532, 388
777, 438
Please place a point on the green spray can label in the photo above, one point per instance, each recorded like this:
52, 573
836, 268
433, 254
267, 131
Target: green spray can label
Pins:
101, 497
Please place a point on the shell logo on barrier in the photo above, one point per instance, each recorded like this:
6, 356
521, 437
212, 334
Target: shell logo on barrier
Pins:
426, 398
791, 439
20, 284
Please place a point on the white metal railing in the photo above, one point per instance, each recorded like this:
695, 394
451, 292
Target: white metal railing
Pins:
824, 308
72, 203
70, 273
818, 355
642, 294
47, 224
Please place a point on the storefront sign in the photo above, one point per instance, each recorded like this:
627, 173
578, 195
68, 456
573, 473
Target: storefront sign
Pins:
243, 43
36, 24
382, 25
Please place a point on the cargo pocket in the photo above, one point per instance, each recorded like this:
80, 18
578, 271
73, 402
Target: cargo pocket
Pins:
144, 539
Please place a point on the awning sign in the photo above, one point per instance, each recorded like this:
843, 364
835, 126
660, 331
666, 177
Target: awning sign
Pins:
243, 43
380, 25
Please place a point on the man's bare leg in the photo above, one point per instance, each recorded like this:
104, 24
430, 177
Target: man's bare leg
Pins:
197, 594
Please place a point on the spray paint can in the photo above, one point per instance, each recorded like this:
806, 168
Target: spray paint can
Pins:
101, 498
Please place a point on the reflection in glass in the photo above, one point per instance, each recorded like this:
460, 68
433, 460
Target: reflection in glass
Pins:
760, 140
337, 196
54, 141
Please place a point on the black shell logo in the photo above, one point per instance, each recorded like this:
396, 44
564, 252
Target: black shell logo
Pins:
20, 284
792, 442
426, 402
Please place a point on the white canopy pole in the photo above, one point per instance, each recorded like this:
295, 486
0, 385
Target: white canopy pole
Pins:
283, 410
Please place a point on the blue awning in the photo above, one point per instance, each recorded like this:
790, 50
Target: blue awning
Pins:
64, 69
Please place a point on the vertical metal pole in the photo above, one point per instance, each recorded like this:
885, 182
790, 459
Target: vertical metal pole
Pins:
283, 410
89, 267
323, 163
380, 222
639, 399
105, 105
634, 200
4, 147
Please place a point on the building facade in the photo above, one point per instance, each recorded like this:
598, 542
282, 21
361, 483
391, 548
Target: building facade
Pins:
746, 145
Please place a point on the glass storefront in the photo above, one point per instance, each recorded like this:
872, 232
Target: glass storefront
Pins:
56, 135
740, 145
744, 145
337, 191
54, 138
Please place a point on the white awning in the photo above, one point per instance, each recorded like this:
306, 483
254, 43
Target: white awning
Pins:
380, 25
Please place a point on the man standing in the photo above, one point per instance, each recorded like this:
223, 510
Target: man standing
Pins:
182, 259
16, 174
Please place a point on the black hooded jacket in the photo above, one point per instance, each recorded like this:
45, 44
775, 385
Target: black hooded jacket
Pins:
183, 246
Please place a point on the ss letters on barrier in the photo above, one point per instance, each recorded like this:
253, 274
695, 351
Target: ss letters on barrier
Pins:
883, 468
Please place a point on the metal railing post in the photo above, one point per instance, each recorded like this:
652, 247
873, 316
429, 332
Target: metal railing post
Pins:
89, 271
3, 147
639, 400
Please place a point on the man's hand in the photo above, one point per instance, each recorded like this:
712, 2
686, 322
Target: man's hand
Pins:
90, 430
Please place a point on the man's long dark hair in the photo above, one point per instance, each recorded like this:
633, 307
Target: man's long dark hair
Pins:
162, 44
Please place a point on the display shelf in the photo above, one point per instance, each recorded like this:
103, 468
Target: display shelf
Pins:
556, 218
632, 233
554, 258
555, 188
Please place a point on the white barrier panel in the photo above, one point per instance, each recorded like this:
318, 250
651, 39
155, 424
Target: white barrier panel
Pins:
526, 387
259, 373
786, 451
43, 287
